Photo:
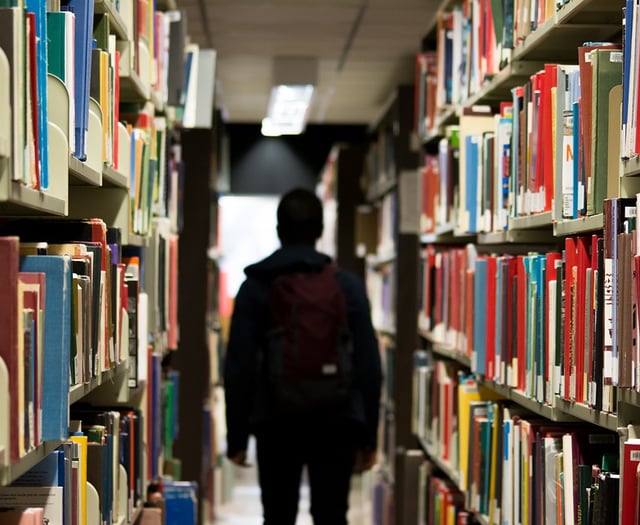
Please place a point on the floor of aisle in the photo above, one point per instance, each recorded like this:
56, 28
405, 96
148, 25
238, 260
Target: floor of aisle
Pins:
244, 507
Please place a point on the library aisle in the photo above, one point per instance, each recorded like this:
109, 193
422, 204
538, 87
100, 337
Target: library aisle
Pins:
244, 507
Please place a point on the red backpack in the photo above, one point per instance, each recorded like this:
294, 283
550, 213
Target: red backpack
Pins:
308, 354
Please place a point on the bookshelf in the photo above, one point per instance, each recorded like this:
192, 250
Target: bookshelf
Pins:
90, 225
388, 237
514, 284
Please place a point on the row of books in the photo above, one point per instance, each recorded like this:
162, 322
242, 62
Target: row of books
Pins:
130, 139
97, 470
511, 466
76, 306
473, 42
558, 323
101, 472
551, 148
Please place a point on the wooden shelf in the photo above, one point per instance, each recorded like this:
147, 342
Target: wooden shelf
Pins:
444, 466
590, 415
10, 473
80, 173
136, 240
111, 177
117, 24
631, 167
539, 220
499, 87
528, 236
132, 89
77, 392
447, 234
581, 225
24, 201
447, 351
546, 411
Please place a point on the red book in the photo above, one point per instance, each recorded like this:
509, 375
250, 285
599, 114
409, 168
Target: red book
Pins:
9, 250
33, 93
438, 296
545, 135
583, 261
630, 514
429, 263
492, 266
569, 336
34, 294
469, 276
511, 357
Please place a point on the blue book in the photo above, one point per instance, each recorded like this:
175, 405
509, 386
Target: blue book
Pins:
626, 70
57, 337
472, 144
83, 11
180, 502
39, 8
52, 471
49, 472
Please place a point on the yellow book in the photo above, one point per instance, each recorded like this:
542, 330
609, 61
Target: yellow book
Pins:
82, 481
468, 391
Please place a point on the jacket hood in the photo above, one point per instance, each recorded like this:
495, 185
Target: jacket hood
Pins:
288, 259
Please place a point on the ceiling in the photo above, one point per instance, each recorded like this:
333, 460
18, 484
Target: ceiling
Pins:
364, 49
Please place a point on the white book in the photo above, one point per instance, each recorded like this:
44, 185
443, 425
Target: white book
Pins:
49, 498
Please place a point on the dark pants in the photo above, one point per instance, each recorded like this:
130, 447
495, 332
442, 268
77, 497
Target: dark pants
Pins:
328, 452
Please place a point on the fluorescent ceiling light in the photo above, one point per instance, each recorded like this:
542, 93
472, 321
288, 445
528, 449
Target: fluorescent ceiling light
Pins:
288, 110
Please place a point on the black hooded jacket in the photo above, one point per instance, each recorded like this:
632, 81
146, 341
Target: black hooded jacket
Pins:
244, 394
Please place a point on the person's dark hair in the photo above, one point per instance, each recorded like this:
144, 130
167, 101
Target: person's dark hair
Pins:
299, 217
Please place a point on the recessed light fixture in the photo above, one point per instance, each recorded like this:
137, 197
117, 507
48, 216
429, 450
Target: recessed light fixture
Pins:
290, 97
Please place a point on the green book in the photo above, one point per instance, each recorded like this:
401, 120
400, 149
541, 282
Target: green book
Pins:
101, 31
56, 50
607, 74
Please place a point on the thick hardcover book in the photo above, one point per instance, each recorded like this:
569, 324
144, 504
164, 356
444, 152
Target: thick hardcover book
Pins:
596, 383
630, 463
38, 9
83, 12
48, 498
180, 500
9, 249
57, 334
616, 213
607, 74
12, 41
34, 290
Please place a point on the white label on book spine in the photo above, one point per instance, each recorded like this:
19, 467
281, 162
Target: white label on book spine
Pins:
634, 455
